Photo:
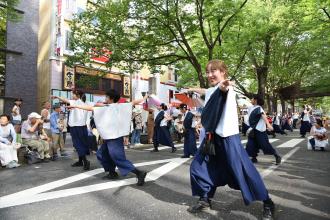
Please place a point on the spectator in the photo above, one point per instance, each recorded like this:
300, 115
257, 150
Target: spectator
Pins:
16, 114
31, 138
8, 146
150, 125
57, 127
320, 137
45, 116
137, 126
178, 125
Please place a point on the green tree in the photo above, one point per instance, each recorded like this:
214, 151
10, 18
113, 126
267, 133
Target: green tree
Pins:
155, 32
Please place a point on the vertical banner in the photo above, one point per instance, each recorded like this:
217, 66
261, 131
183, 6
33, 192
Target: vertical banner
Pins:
68, 78
127, 86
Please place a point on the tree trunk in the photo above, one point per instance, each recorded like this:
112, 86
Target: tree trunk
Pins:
283, 105
269, 107
274, 104
262, 79
292, 104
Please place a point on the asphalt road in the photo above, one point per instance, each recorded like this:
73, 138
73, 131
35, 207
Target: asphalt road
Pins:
300, 187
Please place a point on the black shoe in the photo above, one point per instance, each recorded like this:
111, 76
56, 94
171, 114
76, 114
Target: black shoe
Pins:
111, 176
199, 207
302, 136
154, 150
185, 156
274, 135
278, 160
268, 212
77, 164
141, 177
254, 160
45, 160
87, 165
173, 149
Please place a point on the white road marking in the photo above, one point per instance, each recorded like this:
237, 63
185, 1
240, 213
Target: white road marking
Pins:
270, 140
39, 193
291, 143
284, 158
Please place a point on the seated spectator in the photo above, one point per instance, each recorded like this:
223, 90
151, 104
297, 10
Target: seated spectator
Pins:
57, 126
8, 146
319, 138
31, 137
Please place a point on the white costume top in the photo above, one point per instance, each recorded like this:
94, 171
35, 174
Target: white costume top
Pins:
306, 116
261, 126
277, 120
228, 123
114, 120
164, 121
77, 117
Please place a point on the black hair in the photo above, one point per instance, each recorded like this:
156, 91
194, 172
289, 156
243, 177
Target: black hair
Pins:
183, 106
4, 115
81, 95
319, 122
163, 106
113, 94
260, 100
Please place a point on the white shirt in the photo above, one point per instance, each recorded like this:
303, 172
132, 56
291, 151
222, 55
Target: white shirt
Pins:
113, 121
46, 124
17, 117
261, 126
77, 117
306, 116
277, 120
164, 121
228, 123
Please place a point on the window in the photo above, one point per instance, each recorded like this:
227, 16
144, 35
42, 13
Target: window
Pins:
106, 84
68, 44
118, 86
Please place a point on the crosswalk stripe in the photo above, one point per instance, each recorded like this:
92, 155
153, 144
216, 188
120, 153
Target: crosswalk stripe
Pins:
270, 140
291, 143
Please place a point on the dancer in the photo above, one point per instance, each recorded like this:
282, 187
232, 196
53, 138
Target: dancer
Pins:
305, 121
277, 124
78, 128
161, 131
113, 121
259, 140
230, 164
189, 146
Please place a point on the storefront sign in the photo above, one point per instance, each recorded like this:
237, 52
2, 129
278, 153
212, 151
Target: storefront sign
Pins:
68, 78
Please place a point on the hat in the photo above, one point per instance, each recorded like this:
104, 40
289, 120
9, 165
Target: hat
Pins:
56, 105
34, 115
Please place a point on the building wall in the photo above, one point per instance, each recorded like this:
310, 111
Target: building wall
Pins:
21, 70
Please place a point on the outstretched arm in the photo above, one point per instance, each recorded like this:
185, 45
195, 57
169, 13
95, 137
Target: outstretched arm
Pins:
83, 107
138, 101
61, 99
200, 91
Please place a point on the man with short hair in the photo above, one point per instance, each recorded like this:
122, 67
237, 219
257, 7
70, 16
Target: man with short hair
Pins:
57, 128
31, 138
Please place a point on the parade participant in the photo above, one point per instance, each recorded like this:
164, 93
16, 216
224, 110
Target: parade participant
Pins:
78, 128
259, 124
245, 125
277, 123
295, 118
161, 131
305, 121
189, 146
113, 121
319, 138
230, 164
287, 123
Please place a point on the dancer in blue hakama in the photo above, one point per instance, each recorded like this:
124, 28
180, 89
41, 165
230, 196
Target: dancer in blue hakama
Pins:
305, 121
161, 130
259, 140
221, 159
189, 146
78, 128
112, 121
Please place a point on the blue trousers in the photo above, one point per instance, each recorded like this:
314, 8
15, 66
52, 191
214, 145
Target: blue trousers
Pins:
111, 154
136, 136
230, 166
189, 146
305, 127
79, 135
162, 136
260, 142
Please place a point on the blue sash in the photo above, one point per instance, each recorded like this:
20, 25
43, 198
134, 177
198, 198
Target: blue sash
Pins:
159, 118
254, 117
188, 120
